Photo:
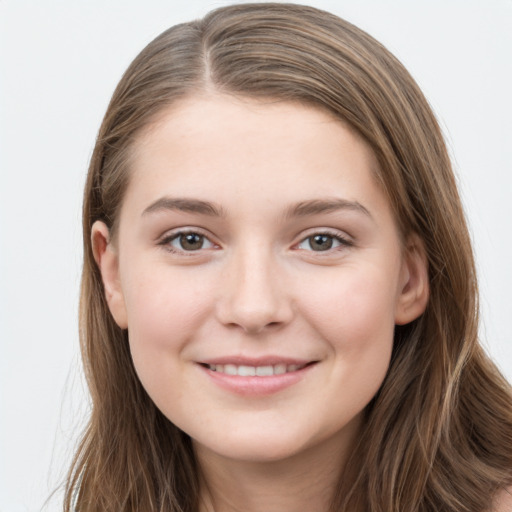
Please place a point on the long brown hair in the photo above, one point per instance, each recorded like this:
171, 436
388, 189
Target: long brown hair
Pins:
438, 435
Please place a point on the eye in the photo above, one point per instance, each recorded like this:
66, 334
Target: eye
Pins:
322, 242
187, 242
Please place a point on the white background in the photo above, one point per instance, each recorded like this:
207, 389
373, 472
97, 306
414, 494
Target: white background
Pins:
60, 61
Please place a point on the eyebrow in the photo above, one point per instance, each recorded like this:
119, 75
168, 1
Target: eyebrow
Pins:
318, 206
185, 205
301, 209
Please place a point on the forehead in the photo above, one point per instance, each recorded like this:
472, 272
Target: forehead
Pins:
235, 147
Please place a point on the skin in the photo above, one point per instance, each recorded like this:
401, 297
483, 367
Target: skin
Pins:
503, 501
256, 285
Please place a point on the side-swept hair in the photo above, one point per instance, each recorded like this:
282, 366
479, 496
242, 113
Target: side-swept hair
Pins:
438, 435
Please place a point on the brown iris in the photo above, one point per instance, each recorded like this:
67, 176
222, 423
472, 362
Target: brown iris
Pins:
320, 242
191, 241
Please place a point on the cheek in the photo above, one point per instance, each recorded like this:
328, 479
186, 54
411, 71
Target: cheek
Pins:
353, 310
164, 303
357, 324
354, 316
164, 311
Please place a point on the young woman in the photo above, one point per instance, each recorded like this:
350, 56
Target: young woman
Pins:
279, 302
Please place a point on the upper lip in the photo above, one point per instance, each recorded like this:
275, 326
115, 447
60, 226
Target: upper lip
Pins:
256, 361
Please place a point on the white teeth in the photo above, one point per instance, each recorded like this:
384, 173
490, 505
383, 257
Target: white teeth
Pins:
251, 371
279, 369
263, 371
246, 371
230, 369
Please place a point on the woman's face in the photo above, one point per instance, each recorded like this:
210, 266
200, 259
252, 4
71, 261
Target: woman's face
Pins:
260, 274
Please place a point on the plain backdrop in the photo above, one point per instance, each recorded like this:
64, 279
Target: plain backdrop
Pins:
59, 64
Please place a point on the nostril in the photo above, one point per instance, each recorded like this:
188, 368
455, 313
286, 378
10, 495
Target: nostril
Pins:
253, 308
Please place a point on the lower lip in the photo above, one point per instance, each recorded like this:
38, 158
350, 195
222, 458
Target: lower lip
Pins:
257, 386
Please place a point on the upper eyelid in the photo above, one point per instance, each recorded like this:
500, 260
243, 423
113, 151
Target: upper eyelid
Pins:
173, 233
165, 242
345, 242
335, 233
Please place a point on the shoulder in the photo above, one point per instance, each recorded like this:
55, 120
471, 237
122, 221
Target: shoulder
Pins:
503, 501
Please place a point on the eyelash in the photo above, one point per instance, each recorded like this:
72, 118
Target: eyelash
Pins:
166, 242
335, 237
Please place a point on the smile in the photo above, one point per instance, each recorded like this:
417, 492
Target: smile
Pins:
256, 378
255, 371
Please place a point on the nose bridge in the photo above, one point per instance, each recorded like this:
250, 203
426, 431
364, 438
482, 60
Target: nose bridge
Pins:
253, 296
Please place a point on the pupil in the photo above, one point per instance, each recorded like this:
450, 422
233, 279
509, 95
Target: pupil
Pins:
321, 242
191, 241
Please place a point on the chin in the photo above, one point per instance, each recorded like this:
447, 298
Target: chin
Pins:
260, 446
255, 451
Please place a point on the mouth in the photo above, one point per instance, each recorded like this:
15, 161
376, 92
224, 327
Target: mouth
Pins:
256, 371
257, 377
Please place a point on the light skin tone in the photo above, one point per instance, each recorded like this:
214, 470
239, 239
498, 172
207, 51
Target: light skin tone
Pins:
503, 501
254, 235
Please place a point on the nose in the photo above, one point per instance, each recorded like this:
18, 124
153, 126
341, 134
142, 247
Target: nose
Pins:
253, 294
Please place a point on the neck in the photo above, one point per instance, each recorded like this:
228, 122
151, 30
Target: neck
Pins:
305, 481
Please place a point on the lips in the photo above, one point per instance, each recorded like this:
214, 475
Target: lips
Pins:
257, 377
255, 371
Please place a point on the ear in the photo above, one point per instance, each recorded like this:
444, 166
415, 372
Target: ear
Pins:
414, 284
107, 260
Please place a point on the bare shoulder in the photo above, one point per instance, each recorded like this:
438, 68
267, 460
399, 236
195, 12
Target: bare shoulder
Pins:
503, 501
